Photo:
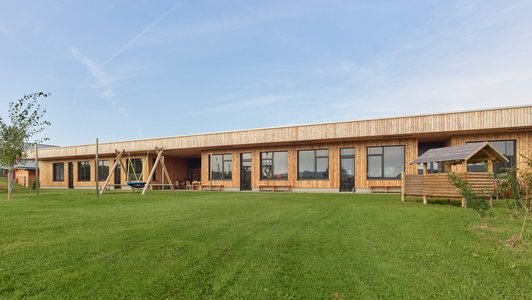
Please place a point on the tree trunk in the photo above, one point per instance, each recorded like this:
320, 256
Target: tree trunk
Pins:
10, 183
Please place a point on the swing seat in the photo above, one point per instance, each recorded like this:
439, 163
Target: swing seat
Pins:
136, 184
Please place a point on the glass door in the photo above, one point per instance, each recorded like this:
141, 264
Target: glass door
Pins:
245, 172
347, 170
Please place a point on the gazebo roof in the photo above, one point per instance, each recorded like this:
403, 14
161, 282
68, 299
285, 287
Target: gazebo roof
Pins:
472, 152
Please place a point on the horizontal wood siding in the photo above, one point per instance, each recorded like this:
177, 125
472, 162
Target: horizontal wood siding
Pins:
439, 185
402, 127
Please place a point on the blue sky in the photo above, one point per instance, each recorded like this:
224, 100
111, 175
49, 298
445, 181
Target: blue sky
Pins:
123, 70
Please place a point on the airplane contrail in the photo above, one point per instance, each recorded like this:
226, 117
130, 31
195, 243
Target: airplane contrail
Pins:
133, 40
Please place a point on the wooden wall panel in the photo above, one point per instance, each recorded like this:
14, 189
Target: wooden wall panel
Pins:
449, 123
334, 164
24, 177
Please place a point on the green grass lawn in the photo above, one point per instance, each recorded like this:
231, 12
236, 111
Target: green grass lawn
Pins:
68, 244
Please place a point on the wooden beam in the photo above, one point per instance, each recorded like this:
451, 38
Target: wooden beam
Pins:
403, 186
425, 172
490, 166
37, 183
118, 160
97, 171
153, 169
165, 172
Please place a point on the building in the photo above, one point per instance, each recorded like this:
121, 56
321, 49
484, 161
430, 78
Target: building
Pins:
25, 170
361, 156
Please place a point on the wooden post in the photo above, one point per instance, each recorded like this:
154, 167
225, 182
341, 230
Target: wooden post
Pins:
464, 165
146, 186
425, 172
403, 186
97, 173
37, 183
490, 166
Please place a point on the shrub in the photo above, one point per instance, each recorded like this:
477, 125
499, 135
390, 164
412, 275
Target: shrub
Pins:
473, 199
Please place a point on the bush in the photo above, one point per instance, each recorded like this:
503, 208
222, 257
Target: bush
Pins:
34, 185
472, 199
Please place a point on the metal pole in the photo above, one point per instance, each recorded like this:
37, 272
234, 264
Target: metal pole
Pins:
37, 182
97, 169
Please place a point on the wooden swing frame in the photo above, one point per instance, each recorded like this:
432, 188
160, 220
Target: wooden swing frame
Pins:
158, 161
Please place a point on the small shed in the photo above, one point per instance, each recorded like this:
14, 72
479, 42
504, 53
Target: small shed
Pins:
437, 185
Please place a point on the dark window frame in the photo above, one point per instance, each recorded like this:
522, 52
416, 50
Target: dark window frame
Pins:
382, 162
223, 167
316, 157
100, 169
55, 174
273, 166
82, 171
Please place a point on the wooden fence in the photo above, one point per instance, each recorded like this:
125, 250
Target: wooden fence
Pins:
439, 185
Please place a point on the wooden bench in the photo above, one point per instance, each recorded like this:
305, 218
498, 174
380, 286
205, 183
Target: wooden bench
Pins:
385, 189
212, 187
274, 188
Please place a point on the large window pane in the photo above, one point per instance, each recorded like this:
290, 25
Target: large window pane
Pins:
385, 162
103, 169
393, 162
307, 165
313, 164
280, 167
221, 167
374, 166
322, 168
84, 171
58, 171
274, 165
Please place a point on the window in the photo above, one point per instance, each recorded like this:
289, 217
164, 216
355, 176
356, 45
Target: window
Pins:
84, 171
134, 167
221, 166
386, 162
274, 165
58, 171
500, 169
103, 170
313, 164
433, 167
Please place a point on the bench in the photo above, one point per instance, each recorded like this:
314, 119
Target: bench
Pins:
212, 187
274, 188
385, 189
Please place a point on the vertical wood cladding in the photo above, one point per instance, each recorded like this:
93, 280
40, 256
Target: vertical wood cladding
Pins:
334, 164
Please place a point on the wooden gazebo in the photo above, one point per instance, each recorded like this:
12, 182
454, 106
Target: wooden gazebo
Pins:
437, 185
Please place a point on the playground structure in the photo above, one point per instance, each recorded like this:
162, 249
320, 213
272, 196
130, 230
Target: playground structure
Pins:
136, 182
438, 185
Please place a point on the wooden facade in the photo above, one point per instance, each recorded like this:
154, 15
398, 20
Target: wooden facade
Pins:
447, 129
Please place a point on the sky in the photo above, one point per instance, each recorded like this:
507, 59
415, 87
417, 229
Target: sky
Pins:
122, 70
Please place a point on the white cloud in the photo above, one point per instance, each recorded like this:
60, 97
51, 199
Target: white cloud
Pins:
104, 81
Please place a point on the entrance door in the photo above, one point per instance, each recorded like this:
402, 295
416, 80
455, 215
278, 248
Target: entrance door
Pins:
118, 177
70, 175
245, 172
347, 170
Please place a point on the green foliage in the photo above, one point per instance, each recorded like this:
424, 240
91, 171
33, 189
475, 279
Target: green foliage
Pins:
473, 199
26, 121
34, 185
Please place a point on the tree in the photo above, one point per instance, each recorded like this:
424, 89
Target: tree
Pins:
516, 188
26, 121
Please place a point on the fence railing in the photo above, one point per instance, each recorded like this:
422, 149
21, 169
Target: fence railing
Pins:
439, 185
